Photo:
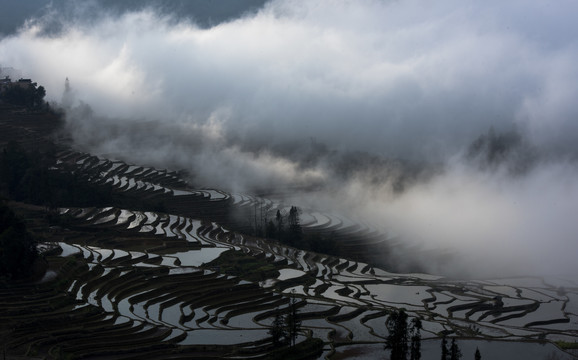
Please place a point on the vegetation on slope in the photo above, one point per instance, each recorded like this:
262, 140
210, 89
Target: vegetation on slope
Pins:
29, 176
244, 265
30, 95
17, 247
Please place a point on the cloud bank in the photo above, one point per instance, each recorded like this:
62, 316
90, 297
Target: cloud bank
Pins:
330, 94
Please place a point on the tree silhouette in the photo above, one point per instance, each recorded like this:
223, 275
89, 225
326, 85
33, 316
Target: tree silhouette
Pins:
25, 95
279, 219
478, 356
455, 352
17, 247
415, 332
292, 321
278, 330
271, 230
445, 352
396, 325
295, 231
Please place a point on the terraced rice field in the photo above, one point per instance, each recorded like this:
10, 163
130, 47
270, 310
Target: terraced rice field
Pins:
150, 285
132, 284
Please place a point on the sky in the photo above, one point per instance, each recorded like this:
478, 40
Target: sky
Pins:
374, 103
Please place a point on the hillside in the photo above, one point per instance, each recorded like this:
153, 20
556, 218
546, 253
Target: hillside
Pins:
143, 265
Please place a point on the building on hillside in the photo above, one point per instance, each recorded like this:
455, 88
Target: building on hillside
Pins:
24, 83
5, 83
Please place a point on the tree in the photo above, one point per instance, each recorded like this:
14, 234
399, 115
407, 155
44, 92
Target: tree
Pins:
271, 230
444, 348
478, 356
17, 247
27, 176
279, 219
455, 352
292, 321
255, 226
25, 93
14, 162
415, 332
295, 231
396, 325
264, 217
39, 95
278, 330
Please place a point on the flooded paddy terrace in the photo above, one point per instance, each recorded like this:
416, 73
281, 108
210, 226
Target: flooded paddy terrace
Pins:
150, 275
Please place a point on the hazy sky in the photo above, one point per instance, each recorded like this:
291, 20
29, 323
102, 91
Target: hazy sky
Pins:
246, 94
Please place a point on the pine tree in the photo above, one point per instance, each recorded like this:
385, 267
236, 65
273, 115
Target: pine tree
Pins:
444, 348
271, 230
295, 231
415, 331
277, 331
279, 219
293, 323
396, 325
455, 352
478, 356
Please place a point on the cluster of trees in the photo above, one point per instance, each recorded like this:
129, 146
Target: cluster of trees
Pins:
17, 247
285, 328
403, 339
30, 96
286, 228
453, 352
246, 266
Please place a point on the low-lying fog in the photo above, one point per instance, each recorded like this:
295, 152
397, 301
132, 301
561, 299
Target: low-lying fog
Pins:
453, 123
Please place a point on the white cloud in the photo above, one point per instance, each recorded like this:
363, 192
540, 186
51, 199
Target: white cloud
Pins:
399, 72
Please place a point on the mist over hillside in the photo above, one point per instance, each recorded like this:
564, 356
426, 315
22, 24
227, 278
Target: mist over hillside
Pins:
451, 124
